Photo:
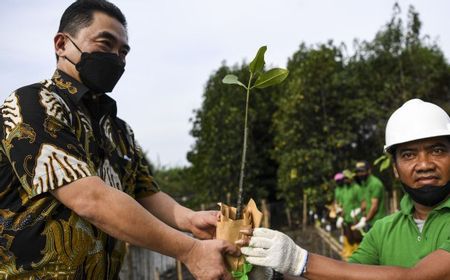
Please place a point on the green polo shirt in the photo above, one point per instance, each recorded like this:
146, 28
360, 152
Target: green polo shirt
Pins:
396, 240
351, 199
338, 194
373, 188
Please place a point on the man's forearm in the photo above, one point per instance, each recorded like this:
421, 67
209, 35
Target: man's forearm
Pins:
120, 216
433, 267
373, 209
168, 210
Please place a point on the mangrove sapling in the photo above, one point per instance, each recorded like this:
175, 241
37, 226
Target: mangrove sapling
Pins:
258, 79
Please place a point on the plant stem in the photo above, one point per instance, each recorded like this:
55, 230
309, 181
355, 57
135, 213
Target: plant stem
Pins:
244, 154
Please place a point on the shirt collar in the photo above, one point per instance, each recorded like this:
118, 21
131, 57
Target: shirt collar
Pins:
407, 205
78, 92
68, 85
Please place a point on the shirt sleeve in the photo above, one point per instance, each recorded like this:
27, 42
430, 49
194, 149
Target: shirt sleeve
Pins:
446, 245
367, 252
377, 190
145, 183
40, 142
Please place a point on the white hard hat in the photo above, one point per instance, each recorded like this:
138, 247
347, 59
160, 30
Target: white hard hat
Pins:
415, 120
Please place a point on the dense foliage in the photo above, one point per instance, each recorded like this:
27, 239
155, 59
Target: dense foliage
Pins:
330, 112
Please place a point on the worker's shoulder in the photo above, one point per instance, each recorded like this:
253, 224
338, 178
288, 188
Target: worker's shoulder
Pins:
375, 181
389, 222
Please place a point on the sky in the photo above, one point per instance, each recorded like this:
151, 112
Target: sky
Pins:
176, 45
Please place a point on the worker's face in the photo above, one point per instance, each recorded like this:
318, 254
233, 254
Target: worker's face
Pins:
105, 34
424, 162
361, 175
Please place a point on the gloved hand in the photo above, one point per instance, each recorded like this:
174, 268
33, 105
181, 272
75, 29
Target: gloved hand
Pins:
339, 222
338, 209
360, 225
274, 249
355, 212
260, 273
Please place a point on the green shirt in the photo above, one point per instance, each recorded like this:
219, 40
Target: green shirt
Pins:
351, 199
396, 240
373, 188
338, 194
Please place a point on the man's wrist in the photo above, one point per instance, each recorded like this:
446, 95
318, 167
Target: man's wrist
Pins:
186, 223
186, 250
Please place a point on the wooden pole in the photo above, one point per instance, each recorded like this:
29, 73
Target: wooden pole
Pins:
266, 214
305, 209
156, 273
395, 201
179, 271
288, 215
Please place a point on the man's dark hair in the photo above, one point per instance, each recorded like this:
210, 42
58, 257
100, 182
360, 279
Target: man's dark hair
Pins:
80, 15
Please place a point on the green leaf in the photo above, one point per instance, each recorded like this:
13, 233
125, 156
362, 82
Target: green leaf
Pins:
378, 160
385, 164
232, 80
257, 64
272, 77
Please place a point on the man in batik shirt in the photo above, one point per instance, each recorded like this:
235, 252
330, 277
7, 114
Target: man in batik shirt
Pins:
73, 182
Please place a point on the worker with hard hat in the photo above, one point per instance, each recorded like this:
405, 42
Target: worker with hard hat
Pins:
373, 196
413, 243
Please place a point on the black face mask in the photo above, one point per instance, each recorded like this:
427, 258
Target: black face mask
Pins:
99, 71
361, 179
428, 195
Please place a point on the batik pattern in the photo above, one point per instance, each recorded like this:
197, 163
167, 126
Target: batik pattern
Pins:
53, 133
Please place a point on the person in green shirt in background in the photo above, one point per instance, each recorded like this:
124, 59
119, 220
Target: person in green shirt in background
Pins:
350, 198
413, 243
373, 203
339, 181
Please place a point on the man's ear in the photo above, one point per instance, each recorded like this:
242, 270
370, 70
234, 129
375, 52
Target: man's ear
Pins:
59, 43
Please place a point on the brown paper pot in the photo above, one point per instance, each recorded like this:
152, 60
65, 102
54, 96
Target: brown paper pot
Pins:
228, 228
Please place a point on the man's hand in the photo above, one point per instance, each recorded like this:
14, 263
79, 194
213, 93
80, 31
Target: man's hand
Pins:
202, 224
274, 249
205, 259
355, 212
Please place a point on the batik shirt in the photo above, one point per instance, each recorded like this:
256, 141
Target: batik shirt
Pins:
54, 133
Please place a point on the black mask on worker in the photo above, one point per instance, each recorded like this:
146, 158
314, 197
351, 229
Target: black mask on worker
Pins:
360, 178
428, 195
99, 71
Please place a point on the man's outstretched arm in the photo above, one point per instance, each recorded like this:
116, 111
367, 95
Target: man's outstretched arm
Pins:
201, 223
276, 250
120, 216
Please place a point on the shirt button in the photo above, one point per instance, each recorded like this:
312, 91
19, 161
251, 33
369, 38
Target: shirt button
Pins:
419, 238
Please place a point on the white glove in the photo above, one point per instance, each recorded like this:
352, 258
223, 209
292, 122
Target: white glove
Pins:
275, 249
338, 209
260, 273
355, 212
339, 222
360, 225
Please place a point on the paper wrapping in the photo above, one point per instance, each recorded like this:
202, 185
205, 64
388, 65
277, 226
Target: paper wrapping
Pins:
228, 228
